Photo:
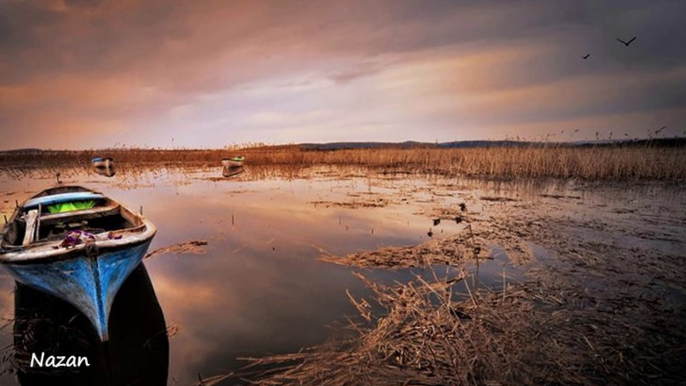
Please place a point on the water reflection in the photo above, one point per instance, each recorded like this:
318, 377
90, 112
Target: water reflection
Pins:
136, 354
230, 171
107, 171
259, 288
135, 174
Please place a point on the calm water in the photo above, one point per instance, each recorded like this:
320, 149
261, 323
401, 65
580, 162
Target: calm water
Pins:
259, 287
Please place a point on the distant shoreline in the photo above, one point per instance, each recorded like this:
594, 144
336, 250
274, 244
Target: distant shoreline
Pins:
657, 160
643, 142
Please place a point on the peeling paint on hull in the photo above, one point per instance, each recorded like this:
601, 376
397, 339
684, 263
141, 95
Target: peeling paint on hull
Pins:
90, 284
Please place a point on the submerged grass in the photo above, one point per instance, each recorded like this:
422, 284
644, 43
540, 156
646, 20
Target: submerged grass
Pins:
591, 163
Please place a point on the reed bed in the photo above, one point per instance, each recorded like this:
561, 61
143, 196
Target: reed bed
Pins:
590, 163
525, 334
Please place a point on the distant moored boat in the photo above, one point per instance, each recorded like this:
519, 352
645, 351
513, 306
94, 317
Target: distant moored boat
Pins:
76, 244
233, 162
102, 162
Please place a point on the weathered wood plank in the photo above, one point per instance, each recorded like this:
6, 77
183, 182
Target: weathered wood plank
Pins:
31, 223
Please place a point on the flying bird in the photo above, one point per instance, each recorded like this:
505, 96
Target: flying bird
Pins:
586, 56
626, 43
659, 130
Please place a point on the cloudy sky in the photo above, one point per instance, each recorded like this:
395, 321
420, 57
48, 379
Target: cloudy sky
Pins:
169, 73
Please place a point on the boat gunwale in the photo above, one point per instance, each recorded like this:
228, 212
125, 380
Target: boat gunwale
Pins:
53, 255
58, 198
46, 251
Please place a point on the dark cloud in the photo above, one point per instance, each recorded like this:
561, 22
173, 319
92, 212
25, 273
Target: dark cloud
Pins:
128, 37
80, 60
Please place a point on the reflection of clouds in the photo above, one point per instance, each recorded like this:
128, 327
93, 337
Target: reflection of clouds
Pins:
242, 297
253, 302
193, 305
6, 295
188, 297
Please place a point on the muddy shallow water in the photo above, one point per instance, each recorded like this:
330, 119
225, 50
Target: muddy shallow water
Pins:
259, 287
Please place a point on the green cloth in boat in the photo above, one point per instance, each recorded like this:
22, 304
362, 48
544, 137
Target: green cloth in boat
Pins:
70, 206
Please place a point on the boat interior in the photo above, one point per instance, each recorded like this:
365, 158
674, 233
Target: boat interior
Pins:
51, 214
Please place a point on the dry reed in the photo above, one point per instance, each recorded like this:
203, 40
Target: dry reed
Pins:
560, 328
591, 163
524, 334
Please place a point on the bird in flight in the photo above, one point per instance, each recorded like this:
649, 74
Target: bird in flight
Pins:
659, 130
586, 56
626, 43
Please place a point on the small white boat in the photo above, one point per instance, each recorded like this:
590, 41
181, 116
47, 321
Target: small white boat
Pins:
233, 162
75, 244
106, 162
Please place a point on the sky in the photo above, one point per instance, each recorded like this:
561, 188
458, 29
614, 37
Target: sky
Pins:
82, 74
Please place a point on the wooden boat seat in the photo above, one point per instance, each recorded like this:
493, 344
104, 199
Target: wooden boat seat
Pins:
31, 224
86, 214
33, 229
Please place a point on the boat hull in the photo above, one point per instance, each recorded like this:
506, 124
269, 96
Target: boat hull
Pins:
137, 352
232, 164
88, 283
103, 163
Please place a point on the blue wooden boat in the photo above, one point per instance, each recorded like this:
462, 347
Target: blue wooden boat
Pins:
76, 244
137, 352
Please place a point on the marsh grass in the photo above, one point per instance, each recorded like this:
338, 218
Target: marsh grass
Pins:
524, 334
426, 338
553, 329
590, 163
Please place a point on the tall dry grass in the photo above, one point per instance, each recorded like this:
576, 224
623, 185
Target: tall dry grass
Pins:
591, 163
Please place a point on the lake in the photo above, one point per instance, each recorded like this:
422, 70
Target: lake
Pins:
258, 287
